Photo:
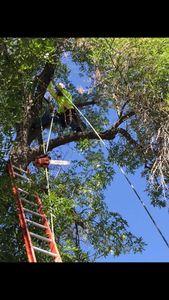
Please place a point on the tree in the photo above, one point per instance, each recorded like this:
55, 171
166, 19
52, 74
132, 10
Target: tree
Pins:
130, 79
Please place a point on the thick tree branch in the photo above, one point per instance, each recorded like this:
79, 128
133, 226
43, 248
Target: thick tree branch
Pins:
107, 135
67, 139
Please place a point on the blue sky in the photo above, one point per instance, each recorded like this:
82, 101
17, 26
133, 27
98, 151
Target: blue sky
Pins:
121, 198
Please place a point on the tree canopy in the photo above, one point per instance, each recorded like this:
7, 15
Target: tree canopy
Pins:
128, 105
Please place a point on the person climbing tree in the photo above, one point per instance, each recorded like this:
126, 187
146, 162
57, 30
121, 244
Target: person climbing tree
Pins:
65, 116
66, 112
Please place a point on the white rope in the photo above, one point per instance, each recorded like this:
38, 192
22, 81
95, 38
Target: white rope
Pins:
46, 172
43, 144
50, 130
90, 125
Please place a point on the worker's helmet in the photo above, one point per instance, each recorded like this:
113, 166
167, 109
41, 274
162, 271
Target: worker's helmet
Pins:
61, 85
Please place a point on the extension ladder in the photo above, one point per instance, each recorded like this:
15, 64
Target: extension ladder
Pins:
25, 215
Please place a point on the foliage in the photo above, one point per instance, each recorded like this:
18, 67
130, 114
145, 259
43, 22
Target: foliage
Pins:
127, 102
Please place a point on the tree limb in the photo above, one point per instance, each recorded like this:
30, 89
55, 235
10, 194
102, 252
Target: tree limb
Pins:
106, 135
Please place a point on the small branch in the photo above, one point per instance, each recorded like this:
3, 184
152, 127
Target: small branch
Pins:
122, 109
123, 118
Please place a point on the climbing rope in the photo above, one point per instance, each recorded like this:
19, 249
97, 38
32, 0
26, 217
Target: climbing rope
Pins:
89, 124
50, 130
46, 170
43, 143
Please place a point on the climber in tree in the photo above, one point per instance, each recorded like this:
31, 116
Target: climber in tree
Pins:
66, 112
66, 115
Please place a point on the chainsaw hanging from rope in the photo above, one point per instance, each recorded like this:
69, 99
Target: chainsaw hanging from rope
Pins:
43, 161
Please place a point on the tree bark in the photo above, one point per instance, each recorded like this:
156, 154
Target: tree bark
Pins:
33, 104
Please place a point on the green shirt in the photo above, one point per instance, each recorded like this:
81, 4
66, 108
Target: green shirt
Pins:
64, 102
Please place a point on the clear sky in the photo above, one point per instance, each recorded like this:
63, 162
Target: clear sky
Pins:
121, 198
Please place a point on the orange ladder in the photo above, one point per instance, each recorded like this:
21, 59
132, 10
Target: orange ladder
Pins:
25, 218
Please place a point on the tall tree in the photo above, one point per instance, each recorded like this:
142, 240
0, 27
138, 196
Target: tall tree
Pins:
127, 104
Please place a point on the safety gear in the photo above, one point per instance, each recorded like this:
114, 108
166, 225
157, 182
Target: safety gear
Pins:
64, 100
62, 96
66, 112
61, 85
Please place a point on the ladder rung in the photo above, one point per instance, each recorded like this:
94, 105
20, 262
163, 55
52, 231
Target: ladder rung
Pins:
19, 175
19, 169
32, 212
36, 224
30, 202
20, 190
44, 251
40, 237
